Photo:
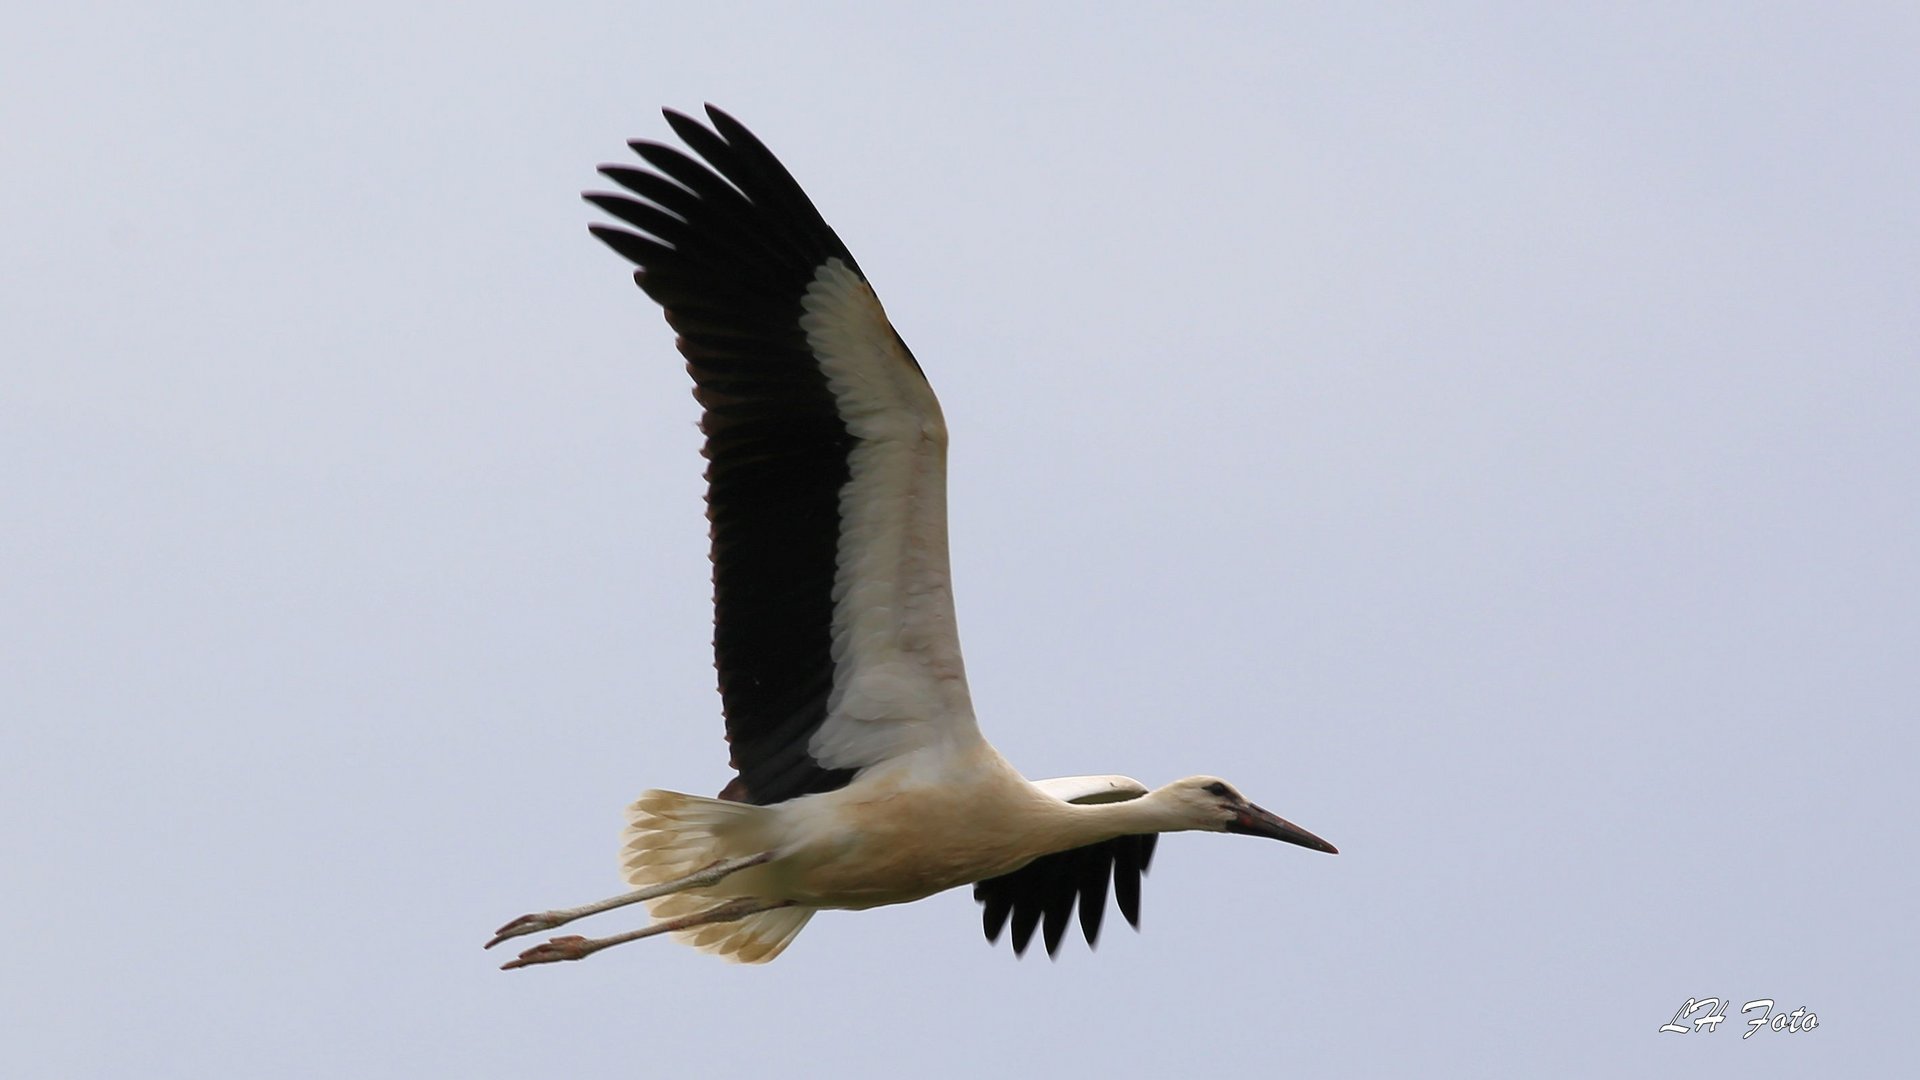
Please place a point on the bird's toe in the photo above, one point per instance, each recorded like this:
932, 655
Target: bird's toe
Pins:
525, 924
571, 947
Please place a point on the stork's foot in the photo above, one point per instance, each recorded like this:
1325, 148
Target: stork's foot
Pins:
571, 947
574, 947
706, 875
530, 924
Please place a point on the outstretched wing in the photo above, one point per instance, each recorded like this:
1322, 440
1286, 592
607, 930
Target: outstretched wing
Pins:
1042, 893
833, 615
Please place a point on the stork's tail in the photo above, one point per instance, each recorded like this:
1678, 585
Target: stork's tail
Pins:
670, 835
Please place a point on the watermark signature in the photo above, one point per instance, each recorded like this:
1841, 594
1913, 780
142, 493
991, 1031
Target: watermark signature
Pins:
1713, 1010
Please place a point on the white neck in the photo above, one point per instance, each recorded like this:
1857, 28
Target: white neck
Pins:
1091, 823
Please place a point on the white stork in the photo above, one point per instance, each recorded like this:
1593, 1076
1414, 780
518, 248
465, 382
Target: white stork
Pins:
863, 779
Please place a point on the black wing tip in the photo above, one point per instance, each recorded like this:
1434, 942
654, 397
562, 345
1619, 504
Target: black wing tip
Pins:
620, 172
733, 132
631, 246
1044, 893
685, 126
714, 112
719, 123
995, 907
601, 199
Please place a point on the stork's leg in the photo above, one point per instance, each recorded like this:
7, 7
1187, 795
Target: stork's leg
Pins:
575, 947
547, 920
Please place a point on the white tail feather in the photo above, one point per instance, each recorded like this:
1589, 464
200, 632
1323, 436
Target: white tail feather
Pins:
670, 835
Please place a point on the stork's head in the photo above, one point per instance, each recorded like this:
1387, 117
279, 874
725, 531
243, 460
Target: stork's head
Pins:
1212, 804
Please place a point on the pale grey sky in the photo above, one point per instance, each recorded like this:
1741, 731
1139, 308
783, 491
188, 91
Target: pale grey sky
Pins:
1489, 435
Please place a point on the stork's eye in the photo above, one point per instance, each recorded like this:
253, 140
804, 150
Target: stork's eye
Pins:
1216, 788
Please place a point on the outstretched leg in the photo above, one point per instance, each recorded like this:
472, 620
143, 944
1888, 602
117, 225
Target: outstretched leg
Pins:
547, 920
575, 947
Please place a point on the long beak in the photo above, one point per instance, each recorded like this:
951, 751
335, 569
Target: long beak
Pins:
1254, 821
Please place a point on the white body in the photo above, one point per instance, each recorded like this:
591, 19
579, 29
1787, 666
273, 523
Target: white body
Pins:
921, 823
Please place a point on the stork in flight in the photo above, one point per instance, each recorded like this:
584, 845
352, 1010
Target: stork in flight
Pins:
863, 779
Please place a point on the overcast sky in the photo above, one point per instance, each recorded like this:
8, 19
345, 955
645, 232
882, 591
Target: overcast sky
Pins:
1488, 435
